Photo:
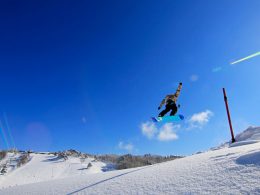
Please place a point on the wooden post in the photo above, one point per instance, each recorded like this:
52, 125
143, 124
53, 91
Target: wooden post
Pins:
229, 118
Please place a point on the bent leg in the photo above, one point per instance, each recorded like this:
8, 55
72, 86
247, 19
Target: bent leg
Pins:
174, 110
167, 109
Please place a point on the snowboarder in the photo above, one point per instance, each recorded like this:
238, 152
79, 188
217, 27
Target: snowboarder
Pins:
170, 101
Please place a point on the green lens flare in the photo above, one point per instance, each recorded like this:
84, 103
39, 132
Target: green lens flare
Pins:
246, 58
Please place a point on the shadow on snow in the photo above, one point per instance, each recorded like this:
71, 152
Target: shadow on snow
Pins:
89, 186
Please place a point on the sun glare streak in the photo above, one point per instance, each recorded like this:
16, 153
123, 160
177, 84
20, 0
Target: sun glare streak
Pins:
246, 58
4, 135
9, 131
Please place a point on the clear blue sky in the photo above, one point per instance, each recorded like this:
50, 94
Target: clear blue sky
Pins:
87, 74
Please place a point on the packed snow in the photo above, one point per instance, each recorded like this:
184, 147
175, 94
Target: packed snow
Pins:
233, 169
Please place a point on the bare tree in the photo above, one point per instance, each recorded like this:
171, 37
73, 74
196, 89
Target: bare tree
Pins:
3, 154
23, 159
4, 169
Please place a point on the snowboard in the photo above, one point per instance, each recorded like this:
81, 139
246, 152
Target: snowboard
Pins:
177, 117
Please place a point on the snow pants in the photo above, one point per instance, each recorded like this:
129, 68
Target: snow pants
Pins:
169, 107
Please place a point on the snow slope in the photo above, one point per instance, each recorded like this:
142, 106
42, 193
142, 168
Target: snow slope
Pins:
44, 167
229, 170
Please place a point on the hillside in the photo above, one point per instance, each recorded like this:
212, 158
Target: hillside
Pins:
25, 167
45, 167
233, 169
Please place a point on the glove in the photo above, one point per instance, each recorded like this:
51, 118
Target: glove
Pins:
159, 108
180, 83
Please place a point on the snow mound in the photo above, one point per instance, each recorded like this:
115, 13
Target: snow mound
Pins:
251, 133
250, 136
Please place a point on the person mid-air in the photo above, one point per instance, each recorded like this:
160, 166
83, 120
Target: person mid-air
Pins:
170, 101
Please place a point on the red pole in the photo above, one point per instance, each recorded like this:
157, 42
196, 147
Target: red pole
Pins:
229, 119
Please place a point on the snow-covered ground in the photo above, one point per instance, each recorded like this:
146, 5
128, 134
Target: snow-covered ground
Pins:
233, 169
45, 167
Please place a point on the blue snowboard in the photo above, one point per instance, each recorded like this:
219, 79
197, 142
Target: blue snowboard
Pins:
177, 117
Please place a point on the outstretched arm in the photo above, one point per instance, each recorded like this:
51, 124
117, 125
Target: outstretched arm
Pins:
177, 93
